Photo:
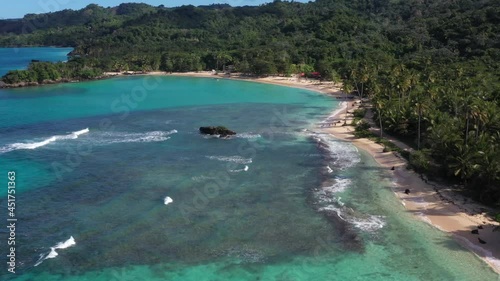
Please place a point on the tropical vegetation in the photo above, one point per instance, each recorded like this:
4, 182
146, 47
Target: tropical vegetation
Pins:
429, 67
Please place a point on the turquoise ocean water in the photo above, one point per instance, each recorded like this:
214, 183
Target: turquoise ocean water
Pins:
19, 58
96, 160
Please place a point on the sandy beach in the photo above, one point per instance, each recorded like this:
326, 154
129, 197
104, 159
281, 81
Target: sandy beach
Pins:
325, 87
437, 205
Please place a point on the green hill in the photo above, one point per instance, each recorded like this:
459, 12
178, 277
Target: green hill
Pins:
430, 67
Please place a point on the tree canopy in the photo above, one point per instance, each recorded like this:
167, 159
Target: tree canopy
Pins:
431, 67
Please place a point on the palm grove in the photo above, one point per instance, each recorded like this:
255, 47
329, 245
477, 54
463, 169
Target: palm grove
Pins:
429, 67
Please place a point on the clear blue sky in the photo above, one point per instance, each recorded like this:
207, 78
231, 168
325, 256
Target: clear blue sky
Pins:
17, 9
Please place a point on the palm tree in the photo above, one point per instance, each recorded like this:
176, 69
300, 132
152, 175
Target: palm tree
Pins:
364, 76
378, 102
420, 103
221, 58
346, 88
467, 108
488, 155
462, 163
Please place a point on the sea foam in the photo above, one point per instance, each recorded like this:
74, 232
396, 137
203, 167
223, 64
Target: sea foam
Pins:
367, 223
240, 170
328, 197
168, 200
97, 138
35, 145
340, 185
327, 194
52, 254
340, 154
107, 138
234, 159
248, 136
332, 115
329, 169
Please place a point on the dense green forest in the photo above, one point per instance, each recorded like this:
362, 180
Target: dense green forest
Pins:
429, 67
40, 72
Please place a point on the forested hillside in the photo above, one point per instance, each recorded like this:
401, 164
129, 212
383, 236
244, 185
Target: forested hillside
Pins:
430, 67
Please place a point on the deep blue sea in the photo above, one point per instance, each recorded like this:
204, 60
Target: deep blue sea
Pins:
114, 182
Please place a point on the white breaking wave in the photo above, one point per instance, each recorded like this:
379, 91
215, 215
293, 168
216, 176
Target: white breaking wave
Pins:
35, 145
122, 137
235, 159
98, 138
168, 200
52, 254
240, 170
344, 155
211, 136
329, 169
366, 223
248, 136
66, 244
342, 107
340, 185
327, 194
371, 223
77, 133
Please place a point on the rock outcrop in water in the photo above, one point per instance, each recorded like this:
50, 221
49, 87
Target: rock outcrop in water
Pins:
219, 130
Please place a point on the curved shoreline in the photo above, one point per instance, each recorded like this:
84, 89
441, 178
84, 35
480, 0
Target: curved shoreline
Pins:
437, 205
324, 87
443, 209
